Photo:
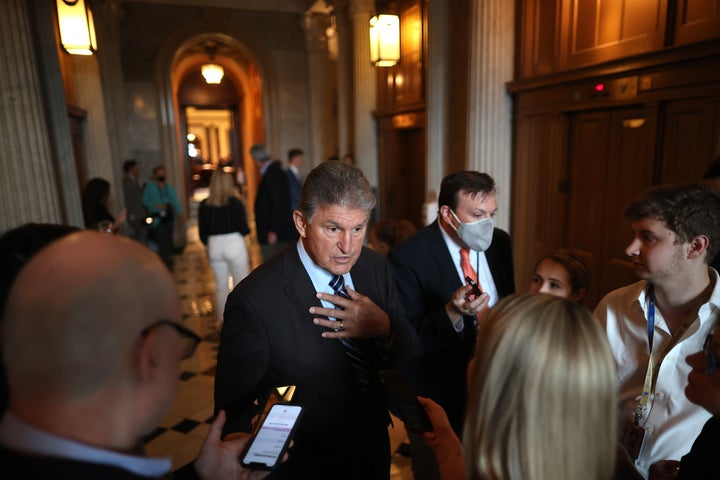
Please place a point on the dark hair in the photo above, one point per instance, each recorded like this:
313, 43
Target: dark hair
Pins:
393, 231
470, 182
335, 183
19, 244
128, 164
94, 201
688, 209
575, 265
294, 152
713, 170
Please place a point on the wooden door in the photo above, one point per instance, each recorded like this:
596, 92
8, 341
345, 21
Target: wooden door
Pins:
611, 162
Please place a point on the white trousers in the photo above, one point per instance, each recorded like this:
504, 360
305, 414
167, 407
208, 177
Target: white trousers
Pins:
229, 261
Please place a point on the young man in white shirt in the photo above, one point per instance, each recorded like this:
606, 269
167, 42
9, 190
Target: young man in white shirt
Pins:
655, 323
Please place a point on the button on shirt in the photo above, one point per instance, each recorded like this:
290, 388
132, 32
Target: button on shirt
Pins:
671, 422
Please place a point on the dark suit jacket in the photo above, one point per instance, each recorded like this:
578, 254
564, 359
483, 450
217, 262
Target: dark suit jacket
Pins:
427, 278
702, 460
272, 206
295, 186
268, 339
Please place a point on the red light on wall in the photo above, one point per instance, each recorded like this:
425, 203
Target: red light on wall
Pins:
599, 87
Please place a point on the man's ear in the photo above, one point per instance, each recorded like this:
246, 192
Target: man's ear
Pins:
143, 356
445, 213
300, 224
698, 246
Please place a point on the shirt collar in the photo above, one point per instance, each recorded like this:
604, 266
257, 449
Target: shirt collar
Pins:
18, 435
319, 276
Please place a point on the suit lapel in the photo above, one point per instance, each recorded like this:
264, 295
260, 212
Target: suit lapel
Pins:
443, 259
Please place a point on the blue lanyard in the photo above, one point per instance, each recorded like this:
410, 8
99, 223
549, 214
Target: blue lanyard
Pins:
651, 318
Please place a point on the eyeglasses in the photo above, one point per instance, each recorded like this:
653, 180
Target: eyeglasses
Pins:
191, 338
711, 360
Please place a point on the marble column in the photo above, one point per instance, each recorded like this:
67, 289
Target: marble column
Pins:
322, 71
36, 150
437, 93
345, 115
490, 114
365, 138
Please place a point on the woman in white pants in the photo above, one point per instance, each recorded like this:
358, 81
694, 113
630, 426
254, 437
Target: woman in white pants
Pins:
222, 225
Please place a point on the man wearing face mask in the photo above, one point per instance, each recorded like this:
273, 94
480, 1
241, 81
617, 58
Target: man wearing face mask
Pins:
164, 210
430, 269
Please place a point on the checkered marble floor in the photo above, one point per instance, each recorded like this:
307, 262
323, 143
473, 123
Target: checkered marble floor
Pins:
182, 432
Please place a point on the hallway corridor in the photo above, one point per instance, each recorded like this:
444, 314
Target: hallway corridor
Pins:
183, 430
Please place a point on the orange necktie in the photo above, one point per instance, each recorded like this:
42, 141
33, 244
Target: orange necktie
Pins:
468, 270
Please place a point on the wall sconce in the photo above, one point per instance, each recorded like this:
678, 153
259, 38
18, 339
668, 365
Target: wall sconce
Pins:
77, 29
212, 72
385, 40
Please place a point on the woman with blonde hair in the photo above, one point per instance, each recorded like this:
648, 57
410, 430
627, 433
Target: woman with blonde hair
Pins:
542, 402
222, 225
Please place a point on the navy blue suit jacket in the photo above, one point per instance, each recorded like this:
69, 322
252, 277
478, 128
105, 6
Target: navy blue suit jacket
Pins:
427, 278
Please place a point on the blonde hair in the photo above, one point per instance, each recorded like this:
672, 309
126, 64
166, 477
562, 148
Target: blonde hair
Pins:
542, 398
222, 189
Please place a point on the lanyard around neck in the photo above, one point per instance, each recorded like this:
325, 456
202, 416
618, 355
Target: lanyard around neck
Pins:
652, 369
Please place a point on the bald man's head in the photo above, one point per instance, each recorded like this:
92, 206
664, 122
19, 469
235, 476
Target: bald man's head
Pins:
77, 309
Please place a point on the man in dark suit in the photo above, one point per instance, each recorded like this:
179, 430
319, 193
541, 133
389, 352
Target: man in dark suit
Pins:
273, 217
284, 326
430, 276
296, 158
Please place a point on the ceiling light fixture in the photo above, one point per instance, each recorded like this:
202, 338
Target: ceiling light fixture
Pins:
385, 40
212, 72
77, 29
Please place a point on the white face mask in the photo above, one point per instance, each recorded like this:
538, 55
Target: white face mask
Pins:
476, 235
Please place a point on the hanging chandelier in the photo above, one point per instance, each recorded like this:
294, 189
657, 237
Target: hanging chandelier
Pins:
77, 29
385, 40
212, 72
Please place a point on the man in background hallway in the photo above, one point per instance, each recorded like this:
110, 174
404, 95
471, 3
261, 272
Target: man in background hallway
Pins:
296, 158
273, 217
133, 193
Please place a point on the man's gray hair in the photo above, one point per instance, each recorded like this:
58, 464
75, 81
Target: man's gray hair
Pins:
335, 183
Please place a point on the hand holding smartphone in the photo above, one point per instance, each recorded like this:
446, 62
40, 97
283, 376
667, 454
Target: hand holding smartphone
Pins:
405, 401
266, 449
475, 287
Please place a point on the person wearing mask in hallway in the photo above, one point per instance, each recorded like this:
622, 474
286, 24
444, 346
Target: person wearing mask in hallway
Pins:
133, 193
542, 365
325, 317
562, 273
96, 209
430, 269
296, 158
273, 216
654, 324
163, 206
222, 226
93, 365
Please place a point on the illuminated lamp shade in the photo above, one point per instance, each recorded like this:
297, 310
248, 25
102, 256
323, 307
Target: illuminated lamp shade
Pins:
77, 29
213, 73
385, 40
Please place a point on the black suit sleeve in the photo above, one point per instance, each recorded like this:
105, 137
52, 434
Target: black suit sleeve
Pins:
243, 359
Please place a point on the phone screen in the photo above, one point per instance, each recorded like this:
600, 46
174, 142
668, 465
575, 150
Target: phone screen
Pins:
269, 444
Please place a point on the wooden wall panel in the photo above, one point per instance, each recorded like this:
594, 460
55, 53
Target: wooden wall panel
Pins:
539, 35
601, 30
539, 169
688, 145
696, 20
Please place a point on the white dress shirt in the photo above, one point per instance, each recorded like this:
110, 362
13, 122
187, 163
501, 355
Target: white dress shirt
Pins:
671, 421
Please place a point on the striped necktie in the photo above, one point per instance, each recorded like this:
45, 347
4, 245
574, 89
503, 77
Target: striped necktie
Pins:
356, 352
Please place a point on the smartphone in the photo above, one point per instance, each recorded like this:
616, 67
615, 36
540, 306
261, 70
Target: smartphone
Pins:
475, 287
267, 447
405, 401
